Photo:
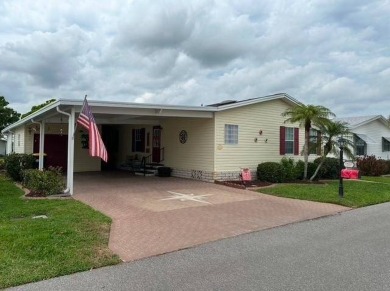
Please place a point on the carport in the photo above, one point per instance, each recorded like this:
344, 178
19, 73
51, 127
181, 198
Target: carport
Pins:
155, 215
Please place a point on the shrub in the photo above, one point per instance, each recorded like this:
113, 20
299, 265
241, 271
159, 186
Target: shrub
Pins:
43, 183
300, 166
289, 170
388, 167
16, 163
371, 166
270, 172
2, 164
330, 168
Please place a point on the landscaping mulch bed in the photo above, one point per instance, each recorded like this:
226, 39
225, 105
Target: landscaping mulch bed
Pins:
241, 185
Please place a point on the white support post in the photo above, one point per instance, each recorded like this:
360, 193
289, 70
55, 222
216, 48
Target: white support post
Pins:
9, 143
70, 168
41, 144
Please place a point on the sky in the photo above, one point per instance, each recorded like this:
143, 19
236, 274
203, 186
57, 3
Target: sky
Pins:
334, 53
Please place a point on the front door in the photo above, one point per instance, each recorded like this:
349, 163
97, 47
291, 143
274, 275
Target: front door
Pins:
56, 150
156, 142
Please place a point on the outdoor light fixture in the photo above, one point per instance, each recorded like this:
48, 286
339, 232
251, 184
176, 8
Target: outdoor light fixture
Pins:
341, 142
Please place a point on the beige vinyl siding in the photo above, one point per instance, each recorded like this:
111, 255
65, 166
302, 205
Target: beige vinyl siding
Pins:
198, 152
125, 142
19, 136
83, 162
252, 119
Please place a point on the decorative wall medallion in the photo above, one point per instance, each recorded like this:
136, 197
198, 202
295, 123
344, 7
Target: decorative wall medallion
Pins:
183, 136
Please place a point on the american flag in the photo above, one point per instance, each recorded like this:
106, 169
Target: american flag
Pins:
96, 145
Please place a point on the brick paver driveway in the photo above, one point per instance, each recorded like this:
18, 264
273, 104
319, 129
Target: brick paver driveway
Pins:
153, 215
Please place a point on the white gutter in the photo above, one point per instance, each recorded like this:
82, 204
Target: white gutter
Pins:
69, 175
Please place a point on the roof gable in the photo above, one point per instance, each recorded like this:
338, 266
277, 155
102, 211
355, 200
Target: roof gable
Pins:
356, 121
229, 104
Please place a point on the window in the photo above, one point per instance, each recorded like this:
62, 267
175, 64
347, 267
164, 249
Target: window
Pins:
138, 144
231, 134
385, 144
360, 146
289, 140
315, 142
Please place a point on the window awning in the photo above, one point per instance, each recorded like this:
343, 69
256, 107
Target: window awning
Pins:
386, 138
366, 138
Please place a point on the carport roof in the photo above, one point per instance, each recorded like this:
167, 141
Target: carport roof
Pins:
113, 111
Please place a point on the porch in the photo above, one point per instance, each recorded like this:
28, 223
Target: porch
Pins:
155, 215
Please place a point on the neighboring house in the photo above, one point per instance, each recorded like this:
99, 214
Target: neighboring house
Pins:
3, 146
371, 135
200, 142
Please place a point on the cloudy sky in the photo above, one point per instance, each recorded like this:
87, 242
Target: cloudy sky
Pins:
334, 53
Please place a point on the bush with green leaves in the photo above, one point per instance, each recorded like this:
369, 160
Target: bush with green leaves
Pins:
371, 166
311, 168
44, 183
15, 164
270, 172
330, 168
289, 171
2, 164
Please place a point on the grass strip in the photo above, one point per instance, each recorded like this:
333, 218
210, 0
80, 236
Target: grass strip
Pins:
73, 238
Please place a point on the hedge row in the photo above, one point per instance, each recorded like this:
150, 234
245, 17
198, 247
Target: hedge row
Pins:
287, 170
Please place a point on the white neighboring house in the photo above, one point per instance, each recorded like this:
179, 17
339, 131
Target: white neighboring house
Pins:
3, 146
371, 135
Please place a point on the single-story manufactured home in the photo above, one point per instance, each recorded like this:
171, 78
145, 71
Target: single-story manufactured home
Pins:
371, 135
200, 142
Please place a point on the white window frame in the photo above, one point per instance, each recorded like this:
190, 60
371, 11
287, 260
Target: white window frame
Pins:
231, 134
287, 129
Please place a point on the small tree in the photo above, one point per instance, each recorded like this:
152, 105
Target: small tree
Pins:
7, 115
37, 107
331, 131
307, 115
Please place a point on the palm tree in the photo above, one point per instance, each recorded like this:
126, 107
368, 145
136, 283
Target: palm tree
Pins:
331, 131
307, 115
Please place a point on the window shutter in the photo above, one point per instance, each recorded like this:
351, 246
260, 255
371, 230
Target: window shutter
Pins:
319, 142
282, 139
133, 140
142, 139
296, 141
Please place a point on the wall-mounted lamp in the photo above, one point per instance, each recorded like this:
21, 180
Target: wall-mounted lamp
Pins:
32, 128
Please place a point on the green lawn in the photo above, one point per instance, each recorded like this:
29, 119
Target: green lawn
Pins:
356, 193
74, 238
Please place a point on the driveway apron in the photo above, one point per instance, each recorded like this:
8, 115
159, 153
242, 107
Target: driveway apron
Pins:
156, 215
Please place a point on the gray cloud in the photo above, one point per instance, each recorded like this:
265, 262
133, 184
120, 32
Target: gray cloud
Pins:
333, 53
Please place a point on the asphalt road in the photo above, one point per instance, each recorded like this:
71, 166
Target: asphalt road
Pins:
349, 251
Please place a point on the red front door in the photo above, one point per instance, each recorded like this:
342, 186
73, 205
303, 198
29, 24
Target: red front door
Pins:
56, 150
156, 144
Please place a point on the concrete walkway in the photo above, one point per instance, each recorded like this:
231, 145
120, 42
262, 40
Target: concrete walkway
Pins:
153, 215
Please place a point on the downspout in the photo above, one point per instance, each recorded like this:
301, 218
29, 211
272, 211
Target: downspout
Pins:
69, 176
41, 142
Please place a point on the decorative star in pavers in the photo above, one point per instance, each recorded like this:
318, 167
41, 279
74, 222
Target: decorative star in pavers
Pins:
187, 197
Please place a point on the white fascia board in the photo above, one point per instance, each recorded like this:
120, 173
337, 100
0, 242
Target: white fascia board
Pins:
33, 115
110, 104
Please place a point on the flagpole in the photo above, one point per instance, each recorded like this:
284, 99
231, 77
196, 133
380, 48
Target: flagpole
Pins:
75, 126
